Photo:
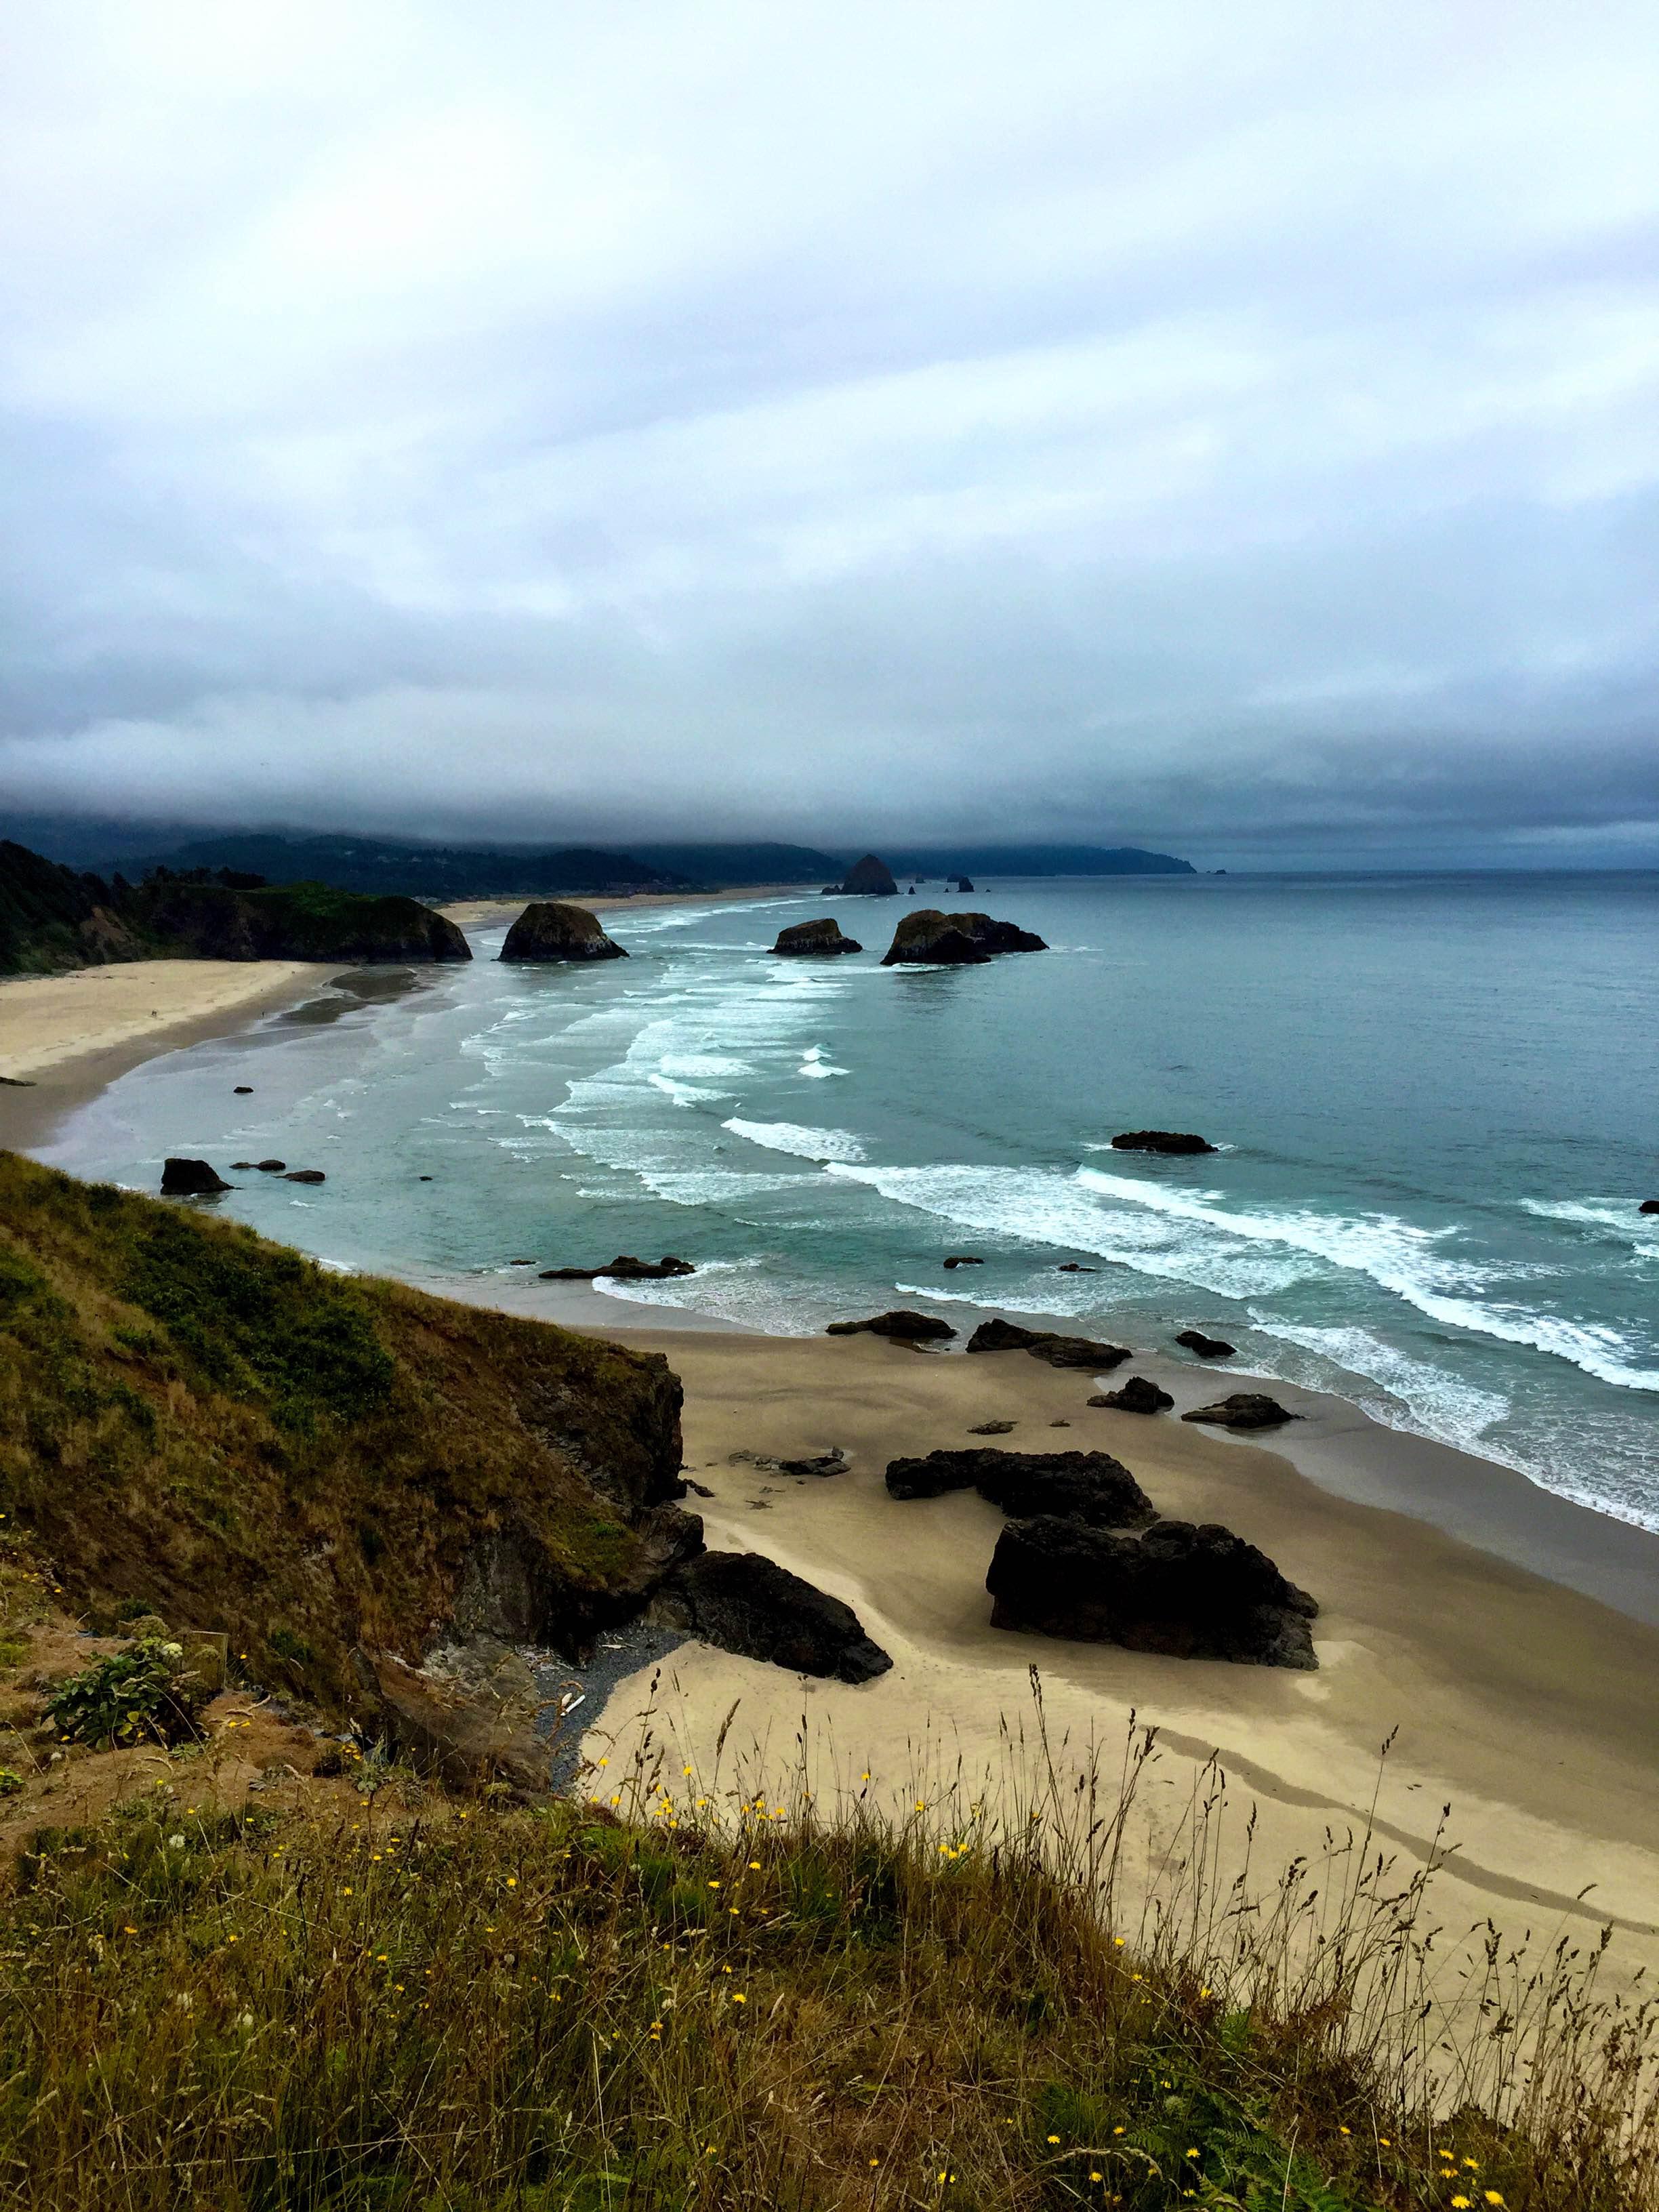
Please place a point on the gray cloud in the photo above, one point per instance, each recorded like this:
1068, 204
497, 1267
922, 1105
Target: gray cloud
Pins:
1238, 437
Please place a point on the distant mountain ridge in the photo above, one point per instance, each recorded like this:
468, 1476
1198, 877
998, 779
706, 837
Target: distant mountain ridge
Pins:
1033, 860
428, 872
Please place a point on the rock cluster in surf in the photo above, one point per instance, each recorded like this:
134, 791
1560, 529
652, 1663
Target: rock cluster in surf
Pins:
931, 938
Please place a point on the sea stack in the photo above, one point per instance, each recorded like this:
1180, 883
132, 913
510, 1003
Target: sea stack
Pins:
815, 940
550, 930
867, 879
931, 938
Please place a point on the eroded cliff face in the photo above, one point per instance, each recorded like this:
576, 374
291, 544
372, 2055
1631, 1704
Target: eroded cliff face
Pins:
198, 1421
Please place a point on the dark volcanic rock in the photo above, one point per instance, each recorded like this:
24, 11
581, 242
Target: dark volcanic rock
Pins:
1193, 1593
816, 939
963, 884
271, 1167
1245, 1409
910, 1327
1137, 1395
1059, 1351
1075, 1268
1090, 1487
551, 930
932, 938
1207, 1347
624, 1267
834, 1461
964, 1259
1160, 1140
190, 1179
1648, 1206
992, 1428
866, 878
305, 1175
741, 1602
243, 1090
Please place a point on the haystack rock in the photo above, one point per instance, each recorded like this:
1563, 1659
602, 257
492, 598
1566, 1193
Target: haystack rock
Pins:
866, 878
963, 884
1160, 1140
551, 930
907, 1328
931, 938
1077, 1485
1192, 1593
1245, 1409
816, 939
1207, 1347
190, 1179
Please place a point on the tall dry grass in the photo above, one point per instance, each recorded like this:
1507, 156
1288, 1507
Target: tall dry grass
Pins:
706, 1996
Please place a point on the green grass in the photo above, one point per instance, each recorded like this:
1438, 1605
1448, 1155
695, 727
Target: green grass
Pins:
560, 2011
197, 1421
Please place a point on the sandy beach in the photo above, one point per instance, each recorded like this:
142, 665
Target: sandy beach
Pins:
1524, 1705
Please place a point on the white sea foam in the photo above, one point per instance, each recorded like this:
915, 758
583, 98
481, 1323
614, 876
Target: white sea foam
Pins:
1439, 1404
838, 1145
1618, 1215
686, 1094
813, 1062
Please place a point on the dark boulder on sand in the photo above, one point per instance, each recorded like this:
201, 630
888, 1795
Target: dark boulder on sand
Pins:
625, 1267
1137, 1395
741, 1602
1160, 1140
1080, 1486
1207, 1347
816, 940
866, 878
190, 1179
1189, 1592
1245, 1409
1059, 1351
549, 929
908, 1328
931, 938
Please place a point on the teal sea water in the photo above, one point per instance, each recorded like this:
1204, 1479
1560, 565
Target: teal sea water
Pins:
1438, 1100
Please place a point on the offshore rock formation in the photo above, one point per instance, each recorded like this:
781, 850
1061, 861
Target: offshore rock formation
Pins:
1059, 1351
1078, 1485
1192, 1593
190, 1179
549, 929
931, 938
1175, 1141
866, 878
745, 1603
625, 1267
1207, 1347
816, 939
1245, 1409
908, 1328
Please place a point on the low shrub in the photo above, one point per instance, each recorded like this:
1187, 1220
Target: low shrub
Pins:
146, 1693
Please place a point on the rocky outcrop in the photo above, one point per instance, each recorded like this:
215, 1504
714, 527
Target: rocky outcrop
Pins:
1078, 1485
815, 940
1207, 1347
549, 929
741, 1602
1189, 1592
305, 1175
1138, 1395
1245, 1409
931, 938
217, 920
963, 884
866, 878
467, 1733
190, 1179
964, 1259
908, 1328
1059, 1351
624, 1267
1173, 1141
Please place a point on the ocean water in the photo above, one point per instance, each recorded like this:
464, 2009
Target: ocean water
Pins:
1437, 1102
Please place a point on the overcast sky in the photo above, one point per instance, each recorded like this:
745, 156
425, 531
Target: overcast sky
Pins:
1230, 429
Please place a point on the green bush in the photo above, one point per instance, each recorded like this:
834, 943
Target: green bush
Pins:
146, 1693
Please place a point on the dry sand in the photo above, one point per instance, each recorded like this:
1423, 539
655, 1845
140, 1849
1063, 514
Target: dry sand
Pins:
1527, 1706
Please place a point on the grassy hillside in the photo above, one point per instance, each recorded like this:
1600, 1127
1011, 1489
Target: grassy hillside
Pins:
195, 1418
378, 865
52, 918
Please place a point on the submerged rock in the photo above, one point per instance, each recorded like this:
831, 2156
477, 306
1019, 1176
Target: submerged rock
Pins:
624, 1267
741, 1602
1190, 1592
1137, 1395
908, 1328
1059, 1351
964, 1259
271, 1167
1245, 1409
190, 1179
549, 929
1648, 1206
931, 938
1207, 1347
1160, 1140
1081, 1485
816, 939
305, 1175
866, 878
